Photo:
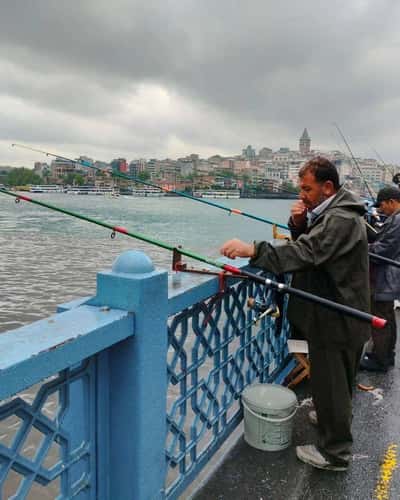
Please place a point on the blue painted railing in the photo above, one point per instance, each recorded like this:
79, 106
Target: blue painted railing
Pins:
127, 395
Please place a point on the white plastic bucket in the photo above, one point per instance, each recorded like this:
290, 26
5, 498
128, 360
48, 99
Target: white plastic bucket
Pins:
268, 416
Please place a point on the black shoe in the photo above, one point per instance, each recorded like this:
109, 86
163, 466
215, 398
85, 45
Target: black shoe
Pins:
372, 365
391, 359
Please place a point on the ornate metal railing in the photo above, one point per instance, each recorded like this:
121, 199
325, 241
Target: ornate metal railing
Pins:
215, 350
51, 373
40, 455
95, 404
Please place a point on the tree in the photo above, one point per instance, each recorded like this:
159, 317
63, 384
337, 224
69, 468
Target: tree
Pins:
69, 179
79, 180
245, 178
22, 176
46, 175
288, 186
144, 175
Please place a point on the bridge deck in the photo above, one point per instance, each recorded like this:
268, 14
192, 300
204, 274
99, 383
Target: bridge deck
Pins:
250, 474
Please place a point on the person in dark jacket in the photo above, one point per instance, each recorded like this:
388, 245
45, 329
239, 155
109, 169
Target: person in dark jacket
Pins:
385, 282
328, 257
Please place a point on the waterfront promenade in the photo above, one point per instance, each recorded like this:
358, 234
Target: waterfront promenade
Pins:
250, 474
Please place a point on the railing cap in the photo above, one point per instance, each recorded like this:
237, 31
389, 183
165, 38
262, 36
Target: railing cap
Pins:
132, 262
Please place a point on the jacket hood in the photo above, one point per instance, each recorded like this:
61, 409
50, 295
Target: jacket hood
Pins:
349, 201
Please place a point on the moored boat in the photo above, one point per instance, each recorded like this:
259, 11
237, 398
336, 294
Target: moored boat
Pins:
92, 190
47, 188
222, 194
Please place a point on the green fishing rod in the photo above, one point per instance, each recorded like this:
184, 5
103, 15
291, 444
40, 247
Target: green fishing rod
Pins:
185, 195
235, 211
375, 321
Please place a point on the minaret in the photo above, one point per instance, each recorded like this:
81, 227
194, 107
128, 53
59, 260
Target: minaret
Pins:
304, 143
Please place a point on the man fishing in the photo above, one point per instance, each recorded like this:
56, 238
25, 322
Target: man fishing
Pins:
328, 257
385, 282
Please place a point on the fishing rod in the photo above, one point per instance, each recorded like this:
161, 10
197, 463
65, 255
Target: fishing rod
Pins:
375, 321
235, 211
396, 177
384, 260
180, 193
355, 161
391, 170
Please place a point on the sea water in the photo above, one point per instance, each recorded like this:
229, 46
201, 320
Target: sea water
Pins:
48, 258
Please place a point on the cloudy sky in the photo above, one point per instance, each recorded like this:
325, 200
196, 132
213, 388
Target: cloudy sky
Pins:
168, 78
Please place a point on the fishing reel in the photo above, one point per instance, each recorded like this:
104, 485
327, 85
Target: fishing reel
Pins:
263, 308
396, 179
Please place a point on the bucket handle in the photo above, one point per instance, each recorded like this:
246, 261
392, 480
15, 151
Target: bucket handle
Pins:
269, 419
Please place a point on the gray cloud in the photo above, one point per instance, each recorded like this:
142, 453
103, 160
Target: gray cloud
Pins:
169, 77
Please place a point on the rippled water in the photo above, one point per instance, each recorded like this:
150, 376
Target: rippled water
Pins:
48, 258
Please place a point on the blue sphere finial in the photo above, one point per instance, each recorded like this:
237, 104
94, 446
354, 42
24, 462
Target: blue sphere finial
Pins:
133, 262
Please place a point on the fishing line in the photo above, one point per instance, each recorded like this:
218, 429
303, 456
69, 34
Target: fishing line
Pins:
375, 321
355, 162
232, 211
181, 193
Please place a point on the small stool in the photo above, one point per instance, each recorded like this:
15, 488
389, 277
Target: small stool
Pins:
299, 349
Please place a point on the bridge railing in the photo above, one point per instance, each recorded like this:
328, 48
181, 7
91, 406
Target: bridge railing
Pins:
215, 349
128, 394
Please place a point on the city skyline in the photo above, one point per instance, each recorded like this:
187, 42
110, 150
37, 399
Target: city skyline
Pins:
265, 170
257, 151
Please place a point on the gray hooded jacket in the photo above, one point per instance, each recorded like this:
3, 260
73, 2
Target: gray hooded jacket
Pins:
385, 279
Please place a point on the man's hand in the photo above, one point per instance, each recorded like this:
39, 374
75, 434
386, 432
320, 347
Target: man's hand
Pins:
236, 248
298, 213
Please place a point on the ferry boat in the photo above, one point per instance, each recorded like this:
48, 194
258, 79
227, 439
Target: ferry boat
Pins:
48, 188
148, 192
226, 194
92, 190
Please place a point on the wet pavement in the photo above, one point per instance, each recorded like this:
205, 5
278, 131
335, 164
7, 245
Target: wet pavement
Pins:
251, 474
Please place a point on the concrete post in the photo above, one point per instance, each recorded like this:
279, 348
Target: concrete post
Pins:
136, 386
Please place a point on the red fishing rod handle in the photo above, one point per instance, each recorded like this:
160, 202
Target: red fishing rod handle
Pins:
233, 269
23, 197
378, 322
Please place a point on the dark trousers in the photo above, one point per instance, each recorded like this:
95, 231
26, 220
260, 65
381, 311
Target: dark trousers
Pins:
332, 379
384, 339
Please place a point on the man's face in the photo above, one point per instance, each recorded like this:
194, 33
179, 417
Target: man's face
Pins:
313, 193
388, 207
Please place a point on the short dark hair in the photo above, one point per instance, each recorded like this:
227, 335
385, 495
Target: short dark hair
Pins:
386, 194
322, 169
